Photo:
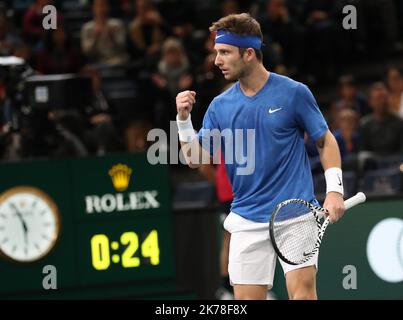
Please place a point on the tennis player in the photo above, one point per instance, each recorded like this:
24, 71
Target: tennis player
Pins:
280, 110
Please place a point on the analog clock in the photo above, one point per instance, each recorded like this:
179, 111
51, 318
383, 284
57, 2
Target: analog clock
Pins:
29, 224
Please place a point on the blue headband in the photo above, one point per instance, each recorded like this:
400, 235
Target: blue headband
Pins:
226, 37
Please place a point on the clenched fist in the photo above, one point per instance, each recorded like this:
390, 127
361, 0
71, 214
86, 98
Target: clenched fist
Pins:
184, 103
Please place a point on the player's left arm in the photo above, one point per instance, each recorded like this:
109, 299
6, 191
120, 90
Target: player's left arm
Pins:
331, 162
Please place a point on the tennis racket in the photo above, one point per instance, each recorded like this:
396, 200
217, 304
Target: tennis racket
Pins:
297, 228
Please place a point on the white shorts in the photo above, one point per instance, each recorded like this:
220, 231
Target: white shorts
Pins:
252, 259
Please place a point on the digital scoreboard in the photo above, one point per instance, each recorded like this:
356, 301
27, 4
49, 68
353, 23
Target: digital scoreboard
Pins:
98, 221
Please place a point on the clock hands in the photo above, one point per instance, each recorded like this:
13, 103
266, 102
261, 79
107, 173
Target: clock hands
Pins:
24, 224
29, 224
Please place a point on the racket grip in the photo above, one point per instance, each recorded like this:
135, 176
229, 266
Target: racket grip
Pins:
354, 200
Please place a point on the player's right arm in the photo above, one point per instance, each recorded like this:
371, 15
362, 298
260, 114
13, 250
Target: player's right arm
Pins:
193, 152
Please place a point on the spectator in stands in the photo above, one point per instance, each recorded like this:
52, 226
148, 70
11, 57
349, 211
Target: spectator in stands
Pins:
66, 138
183, 30
103, 40
347, 137
126, 10
381, 132
99, 104
146, 31
136, 136
394, 82
320, 50
8, 39
349, 99
229, 7
101, 135
382, 36
282, 31
351, 44
173, 75
3, 125
347, 123
58, 54
33, 30
173, 68
210, 83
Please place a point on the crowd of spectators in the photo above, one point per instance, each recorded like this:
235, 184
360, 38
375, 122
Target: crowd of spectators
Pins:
164, 47
368, 127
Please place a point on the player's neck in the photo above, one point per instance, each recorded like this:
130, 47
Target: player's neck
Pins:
254, 81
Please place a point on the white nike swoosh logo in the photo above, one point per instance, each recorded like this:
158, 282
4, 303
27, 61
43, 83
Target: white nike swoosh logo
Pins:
274, 110
221, 35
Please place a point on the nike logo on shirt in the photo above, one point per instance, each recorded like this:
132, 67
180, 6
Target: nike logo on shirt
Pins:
274, 110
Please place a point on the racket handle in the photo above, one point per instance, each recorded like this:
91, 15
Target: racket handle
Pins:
354, 200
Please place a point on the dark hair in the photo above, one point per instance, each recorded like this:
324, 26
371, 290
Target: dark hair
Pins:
376, 85
241, 24
391, 68
92, 2
347, 79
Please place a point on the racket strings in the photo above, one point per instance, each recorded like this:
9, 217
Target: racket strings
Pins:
295, 230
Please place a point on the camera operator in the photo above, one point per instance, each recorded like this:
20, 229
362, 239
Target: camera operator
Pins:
13, 72
101, 135
32, 132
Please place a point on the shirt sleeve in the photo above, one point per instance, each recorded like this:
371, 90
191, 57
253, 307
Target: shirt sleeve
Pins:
308, 115
87, 38
209, 133
120, 33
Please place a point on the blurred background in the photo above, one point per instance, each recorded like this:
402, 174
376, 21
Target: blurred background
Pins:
78, 100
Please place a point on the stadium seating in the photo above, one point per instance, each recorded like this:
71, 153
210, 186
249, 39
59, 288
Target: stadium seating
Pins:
390, 161
382, 182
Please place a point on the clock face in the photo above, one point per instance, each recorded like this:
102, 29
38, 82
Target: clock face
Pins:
29, 224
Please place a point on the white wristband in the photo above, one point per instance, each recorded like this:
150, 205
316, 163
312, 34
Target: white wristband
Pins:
185, 129
334, 180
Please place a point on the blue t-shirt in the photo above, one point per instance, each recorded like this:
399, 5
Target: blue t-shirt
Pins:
279, 113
